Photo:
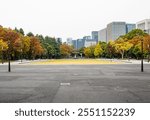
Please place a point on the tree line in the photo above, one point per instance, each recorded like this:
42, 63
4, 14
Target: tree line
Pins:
15, 43
126, 46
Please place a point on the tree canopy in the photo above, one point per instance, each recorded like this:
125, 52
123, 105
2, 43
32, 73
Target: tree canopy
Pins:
32, 46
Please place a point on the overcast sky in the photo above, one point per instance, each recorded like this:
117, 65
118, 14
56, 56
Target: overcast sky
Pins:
70, 18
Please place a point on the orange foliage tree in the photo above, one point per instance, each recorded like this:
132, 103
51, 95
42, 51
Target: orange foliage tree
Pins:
35, 47
66, 50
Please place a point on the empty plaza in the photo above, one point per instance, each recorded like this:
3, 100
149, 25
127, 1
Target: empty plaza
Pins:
75, 83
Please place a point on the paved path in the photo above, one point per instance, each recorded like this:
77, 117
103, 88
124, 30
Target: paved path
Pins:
75, 83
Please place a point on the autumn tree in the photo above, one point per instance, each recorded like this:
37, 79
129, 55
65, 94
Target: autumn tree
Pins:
89, 51
22, 45
121, 46
11, 37
3, 47
30, 46
104, 48
98, 50
111, 49
147, 45
35, 47
26, 44
66, 50
2, 32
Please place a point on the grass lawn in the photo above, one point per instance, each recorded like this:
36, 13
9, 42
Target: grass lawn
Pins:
74, 61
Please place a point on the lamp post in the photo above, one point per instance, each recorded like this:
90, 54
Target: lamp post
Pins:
9, 67
142, 66
21, 50
2, 55
2, 50
148, 52
21, 54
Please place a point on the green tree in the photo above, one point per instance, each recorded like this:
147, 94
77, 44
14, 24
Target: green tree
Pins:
30, 34
50, 51
133, 33
21, 31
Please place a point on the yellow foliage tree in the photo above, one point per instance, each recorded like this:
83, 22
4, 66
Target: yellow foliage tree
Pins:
66, 50
98, 50
147, 45
3, 45
121, 46
87, 52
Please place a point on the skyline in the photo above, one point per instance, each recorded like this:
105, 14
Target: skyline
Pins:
69, 18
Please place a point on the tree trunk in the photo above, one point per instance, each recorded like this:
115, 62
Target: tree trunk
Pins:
122, 56
148, 57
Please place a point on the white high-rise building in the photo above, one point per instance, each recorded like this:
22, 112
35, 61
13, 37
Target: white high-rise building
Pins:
102, 35
115, 30
89, 43
69, 41
144, 25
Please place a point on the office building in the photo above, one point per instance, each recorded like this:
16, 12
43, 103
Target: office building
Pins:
115, 29
87, 38
69, 41
89, 43
102, 35
130, 27
95, 36
144, 25
80, 43
74, 43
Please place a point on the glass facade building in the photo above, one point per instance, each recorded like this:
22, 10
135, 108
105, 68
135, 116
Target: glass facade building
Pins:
95, 36
115, 29
80, 43
74, 43
130, 27
69, 41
